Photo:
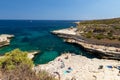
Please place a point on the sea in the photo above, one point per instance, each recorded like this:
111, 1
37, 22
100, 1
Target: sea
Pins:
32, 35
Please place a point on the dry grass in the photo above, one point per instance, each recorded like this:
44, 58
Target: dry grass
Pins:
24, 72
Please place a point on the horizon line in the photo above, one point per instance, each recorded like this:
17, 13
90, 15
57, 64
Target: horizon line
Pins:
63, 19
43, 19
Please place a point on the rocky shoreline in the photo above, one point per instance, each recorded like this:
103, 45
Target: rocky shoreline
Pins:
102, 51
69, 66
32, 54
5, 39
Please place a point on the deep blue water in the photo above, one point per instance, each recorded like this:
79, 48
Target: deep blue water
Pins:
35, 35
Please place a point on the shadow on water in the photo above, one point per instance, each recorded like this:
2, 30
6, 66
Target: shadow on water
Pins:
83, 51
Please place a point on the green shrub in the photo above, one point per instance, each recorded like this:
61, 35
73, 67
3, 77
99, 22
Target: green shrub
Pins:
117, 27
15, 58
99, 36
89, 34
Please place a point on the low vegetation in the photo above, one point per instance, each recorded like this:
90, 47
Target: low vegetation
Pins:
102, 21
15, 65
15, 58
100, 29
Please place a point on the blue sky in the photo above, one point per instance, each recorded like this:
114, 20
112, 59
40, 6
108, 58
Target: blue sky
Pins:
59, 9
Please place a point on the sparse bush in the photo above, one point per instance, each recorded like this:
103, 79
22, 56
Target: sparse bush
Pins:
99, 36
111, 38
89, 34
109, 27
117, 27
21, 72
43, 75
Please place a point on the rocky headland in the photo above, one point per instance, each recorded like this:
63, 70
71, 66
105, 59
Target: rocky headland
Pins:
5, 39
102, 51
99, 37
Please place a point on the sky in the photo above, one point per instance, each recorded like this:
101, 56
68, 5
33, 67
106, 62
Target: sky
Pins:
59, 9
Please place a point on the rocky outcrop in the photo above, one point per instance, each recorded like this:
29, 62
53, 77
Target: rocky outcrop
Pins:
5, 39
102, 51
76, 67
31, 55
99, 50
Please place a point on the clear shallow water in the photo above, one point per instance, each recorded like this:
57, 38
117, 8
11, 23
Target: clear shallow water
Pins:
35, 35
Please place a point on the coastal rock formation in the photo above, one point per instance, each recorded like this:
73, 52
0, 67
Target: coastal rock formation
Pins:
76, 67
70, 31
102, 50
5, 39
31, 55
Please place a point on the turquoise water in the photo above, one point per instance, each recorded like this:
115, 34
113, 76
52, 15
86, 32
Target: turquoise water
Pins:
35, 35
